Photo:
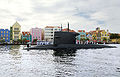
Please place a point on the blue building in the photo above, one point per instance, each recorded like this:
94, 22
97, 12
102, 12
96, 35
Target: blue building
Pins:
5, 35
81, 37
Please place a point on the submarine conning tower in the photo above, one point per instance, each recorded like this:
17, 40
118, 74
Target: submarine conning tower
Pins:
67, 37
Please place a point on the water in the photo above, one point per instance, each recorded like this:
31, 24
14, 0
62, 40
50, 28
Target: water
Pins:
16, 62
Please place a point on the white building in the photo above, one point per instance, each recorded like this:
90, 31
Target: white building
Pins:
49, 32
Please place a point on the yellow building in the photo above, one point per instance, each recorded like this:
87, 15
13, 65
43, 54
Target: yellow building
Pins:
15, 31
94, 36
100, 35
105, 34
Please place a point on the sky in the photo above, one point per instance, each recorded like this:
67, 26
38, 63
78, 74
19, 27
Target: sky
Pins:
81, 14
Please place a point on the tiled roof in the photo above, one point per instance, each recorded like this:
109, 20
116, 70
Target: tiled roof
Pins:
81, 30
66, 29
23, 33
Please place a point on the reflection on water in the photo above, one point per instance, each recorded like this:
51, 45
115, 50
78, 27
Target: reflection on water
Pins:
16, 62
65, 65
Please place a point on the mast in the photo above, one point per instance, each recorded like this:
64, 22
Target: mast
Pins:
68, 26
61, 27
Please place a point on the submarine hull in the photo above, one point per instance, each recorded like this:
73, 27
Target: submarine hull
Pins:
69, 46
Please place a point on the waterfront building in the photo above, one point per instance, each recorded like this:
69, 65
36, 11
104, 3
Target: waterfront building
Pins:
5, 35
49, 32
105, 35
15, 32
82, 36
27, 36
36, 33
100, 35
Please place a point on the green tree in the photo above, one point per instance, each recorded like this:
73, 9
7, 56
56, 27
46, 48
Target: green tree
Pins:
105, 39
87, 38
35, 40
24, 40
2, 41
114, 36
19, 41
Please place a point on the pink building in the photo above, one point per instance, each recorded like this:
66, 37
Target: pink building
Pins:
36, 33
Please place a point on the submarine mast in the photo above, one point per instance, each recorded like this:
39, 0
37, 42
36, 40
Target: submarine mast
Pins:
68, 26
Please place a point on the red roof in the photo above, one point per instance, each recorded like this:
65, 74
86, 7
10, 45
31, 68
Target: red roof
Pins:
81, 30
23, 33
66, 29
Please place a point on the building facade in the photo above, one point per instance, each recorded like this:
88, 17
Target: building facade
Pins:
100, 36
105, 35
49, 32
81, 37
82, 34
27, 36
36, 33
5, 35
15, 32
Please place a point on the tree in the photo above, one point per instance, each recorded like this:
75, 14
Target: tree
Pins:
24, 40
104, 39
114, 36
87, 38
19, 41
35, 40
2, 41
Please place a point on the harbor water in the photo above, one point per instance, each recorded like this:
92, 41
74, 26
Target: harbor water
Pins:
16, 62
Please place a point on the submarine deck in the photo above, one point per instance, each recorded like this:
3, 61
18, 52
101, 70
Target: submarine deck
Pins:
69, 46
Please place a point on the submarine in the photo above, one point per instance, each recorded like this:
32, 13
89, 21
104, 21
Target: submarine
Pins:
67, 41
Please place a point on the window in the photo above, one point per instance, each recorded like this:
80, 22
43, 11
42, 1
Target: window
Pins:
4, 31
16, 36
7, 34
7, 31
7, 38
4, 34
1, 31
16, 28
16, 32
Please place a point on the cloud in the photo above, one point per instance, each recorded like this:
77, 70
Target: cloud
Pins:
82, 14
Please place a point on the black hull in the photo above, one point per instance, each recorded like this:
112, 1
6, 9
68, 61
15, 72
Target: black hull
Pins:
69, 47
